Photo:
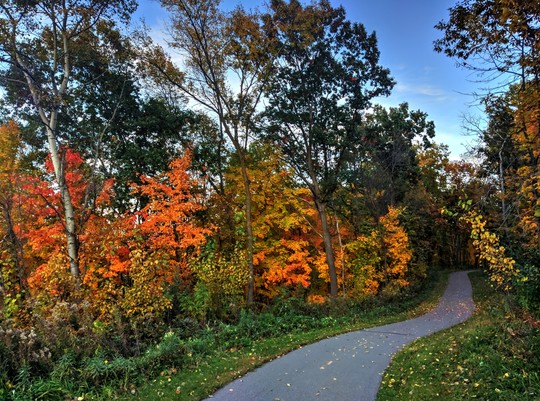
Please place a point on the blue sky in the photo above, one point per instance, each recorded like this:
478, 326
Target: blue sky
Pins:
405, 30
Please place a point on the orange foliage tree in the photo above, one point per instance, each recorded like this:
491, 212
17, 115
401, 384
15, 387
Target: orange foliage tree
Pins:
147, 251
127, 261
103, 240
340, 235
282, 216
106, 246
167, 222
45, 232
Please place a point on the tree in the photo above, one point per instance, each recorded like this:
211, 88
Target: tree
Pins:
215, 47
381, 260
282, 218
144, 140
390, 166
44, 233
500, 38
494, 37
432, 162
39, 40
12, 272
167, 220
325, 73
497, 148
429, 232
501, 268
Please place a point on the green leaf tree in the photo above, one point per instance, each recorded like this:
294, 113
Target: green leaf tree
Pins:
326, 71
392, 134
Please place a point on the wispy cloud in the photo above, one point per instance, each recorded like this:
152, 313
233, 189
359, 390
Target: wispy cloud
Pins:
424, 90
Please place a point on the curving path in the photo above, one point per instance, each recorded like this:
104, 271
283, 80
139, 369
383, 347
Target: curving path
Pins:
348, 367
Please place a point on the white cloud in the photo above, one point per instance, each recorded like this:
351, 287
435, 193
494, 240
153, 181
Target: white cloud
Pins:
424, 90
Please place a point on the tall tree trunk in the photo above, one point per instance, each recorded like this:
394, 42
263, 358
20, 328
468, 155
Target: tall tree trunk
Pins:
342, 261
328, 248
502, 185
50, 123
69, 215
249, 229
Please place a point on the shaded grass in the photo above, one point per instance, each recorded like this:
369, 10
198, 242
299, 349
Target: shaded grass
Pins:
493, 356
208, 371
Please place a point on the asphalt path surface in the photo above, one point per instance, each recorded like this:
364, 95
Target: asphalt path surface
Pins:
348, 367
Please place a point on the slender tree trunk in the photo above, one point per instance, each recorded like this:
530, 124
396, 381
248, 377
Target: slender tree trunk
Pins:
328, 249
342, 257
502, 186
249, 230
50, 123
536, 185
69, 215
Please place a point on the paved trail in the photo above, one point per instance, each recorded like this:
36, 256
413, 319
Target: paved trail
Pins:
348, 367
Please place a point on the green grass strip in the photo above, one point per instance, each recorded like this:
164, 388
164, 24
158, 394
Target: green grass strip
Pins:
208, 373
493, 356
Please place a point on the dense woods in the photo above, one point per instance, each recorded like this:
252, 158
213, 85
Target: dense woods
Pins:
139, 195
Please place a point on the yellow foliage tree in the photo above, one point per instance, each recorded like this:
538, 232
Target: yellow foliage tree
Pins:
221, 283
380, 261
12, 274
396, 252
145, 297
502, 269
363, 266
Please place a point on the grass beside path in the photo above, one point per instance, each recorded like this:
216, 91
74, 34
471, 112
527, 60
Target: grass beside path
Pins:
493, 356
214, 370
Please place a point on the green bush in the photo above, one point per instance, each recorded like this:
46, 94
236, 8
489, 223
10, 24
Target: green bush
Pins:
71, 354
527, 287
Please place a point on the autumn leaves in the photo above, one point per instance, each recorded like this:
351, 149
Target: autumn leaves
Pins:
130, 261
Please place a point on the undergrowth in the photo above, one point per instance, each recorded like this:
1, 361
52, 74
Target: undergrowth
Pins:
202, 354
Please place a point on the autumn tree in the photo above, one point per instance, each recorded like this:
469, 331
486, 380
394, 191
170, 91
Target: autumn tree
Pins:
325, 73
39, 42
431, 236
432, 162
12, 271
283, 216
493, 37
501, 267
170, 238
500, 39
167, 219
380, 261
45, 232
122, 120
217, 46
